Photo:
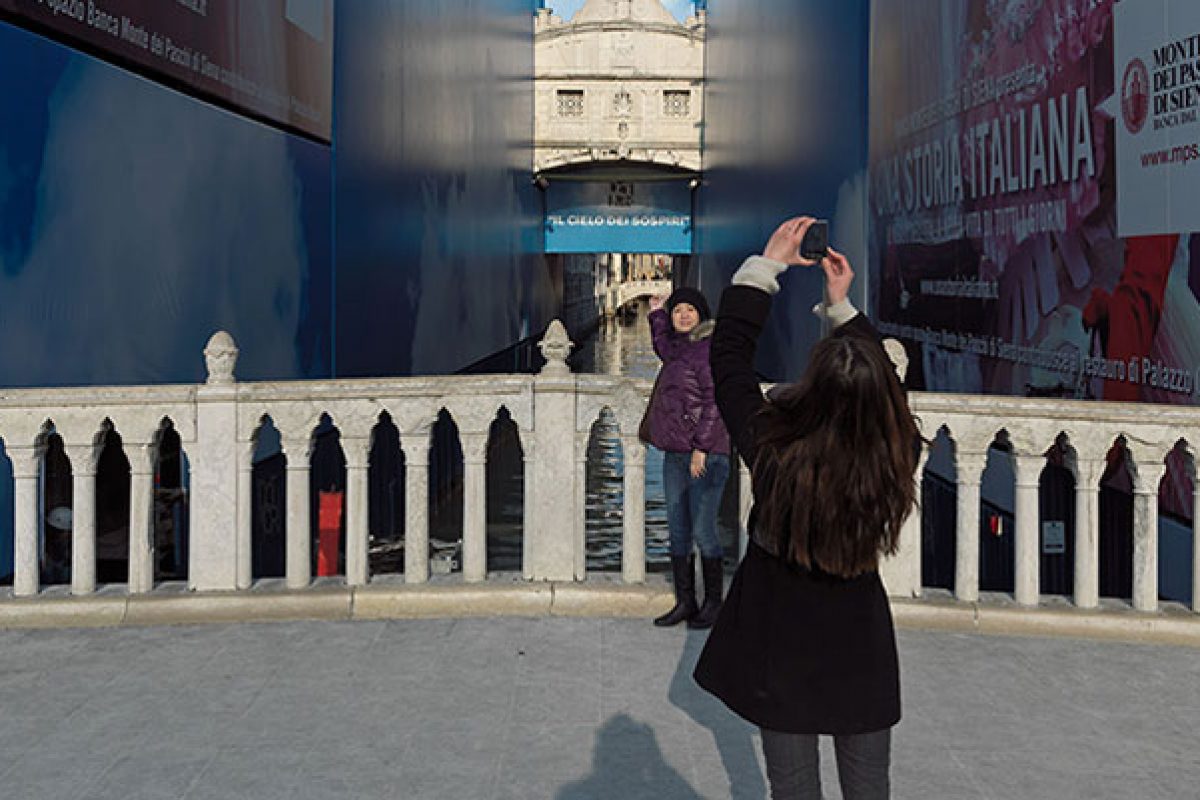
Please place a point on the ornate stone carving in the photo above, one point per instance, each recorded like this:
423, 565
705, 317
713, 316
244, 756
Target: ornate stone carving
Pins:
220, 355
899, 358
1147, 475
474, 447
1028, 469
629, 406
357, 451
555, 347
969, 465
623, 103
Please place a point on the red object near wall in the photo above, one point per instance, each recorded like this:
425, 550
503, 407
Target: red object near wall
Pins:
1128, 318
329, 526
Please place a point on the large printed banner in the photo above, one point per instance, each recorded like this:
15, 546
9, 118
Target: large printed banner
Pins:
1035, 188
619, 217
272, 58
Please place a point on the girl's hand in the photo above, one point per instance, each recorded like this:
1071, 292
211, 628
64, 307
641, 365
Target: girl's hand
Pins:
657, 301
697, 468
838, 276
784, 244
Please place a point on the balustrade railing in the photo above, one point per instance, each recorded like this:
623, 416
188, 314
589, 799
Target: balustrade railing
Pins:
1086, 433
628, 290
619, 294
217, 424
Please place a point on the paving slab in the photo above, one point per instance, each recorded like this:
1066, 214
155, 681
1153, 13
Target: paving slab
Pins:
555, 707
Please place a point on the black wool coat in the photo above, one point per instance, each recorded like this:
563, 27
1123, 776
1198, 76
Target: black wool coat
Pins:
794, 649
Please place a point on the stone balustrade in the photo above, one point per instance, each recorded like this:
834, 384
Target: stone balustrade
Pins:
1087, 432
629, 290
554, 412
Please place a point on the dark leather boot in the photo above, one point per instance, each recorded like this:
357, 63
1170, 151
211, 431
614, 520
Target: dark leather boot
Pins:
713, 572
683, 570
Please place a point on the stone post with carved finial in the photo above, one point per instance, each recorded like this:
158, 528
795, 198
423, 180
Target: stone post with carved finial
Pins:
555, 543
213, 555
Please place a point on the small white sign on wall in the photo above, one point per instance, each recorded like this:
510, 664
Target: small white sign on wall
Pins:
1054, 538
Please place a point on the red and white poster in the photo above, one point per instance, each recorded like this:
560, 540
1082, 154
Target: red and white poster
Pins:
1034, 194
1158, 133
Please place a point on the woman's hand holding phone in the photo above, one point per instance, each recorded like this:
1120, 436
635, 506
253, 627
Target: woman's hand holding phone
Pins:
784, 244
838, 276
784, 247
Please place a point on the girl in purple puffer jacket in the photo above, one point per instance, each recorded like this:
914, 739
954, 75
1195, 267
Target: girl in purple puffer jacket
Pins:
686, 425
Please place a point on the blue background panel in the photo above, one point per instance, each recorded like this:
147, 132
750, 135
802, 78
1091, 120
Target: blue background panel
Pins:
785, 133
135, 221
438, 226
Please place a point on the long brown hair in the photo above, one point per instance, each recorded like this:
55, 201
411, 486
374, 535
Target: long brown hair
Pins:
840, 450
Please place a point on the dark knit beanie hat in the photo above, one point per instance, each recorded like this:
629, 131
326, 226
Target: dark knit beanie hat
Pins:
693, 297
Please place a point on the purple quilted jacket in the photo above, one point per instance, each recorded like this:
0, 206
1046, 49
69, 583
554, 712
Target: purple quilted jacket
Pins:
684, 415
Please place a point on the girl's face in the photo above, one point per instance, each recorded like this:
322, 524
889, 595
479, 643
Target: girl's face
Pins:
685, 317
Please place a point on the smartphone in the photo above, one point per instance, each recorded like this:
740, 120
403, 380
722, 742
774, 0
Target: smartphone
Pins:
816, 240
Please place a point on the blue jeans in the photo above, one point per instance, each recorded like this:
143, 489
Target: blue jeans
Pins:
692, 503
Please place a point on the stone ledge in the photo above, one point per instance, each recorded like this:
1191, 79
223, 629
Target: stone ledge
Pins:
202, 608
96, 611
614, 600
519, 599
1124, 626
461, 600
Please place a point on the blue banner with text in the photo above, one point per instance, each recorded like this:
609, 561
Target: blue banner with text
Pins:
617, 217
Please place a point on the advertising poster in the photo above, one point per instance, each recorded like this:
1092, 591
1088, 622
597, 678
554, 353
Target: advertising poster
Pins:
271, 58
1035, 195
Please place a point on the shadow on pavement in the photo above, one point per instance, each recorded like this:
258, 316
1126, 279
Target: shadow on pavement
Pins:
732, 734
628, 763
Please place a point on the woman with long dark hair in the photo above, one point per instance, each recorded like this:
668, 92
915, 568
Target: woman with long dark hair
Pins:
804, 643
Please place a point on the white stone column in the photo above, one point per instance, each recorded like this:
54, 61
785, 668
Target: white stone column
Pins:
745, 503
529, 505
1088, 472
1196, 543
141, 517
902, 572
299, 512
83, 517
416, 507
358, 452
1145, 534
474, 507
633, 541
213, 506
969, 466
244, 539
1027, 572
26, 463
554, 536
579, 526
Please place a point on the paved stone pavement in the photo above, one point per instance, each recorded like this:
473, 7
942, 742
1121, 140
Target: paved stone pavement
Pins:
554, 708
